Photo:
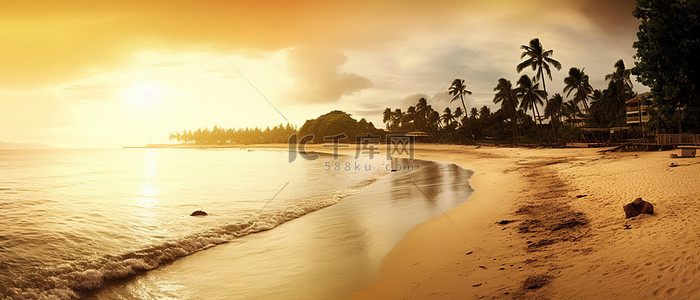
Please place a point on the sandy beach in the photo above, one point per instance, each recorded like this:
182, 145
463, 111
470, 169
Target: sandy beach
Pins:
565, 234
549, 223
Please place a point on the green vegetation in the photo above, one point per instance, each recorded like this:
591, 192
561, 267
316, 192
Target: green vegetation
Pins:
219, 136
337, 122
667, 61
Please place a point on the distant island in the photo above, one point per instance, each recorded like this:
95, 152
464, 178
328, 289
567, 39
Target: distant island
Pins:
23, 146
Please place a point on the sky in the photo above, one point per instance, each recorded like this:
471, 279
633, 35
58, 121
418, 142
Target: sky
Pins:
87, 74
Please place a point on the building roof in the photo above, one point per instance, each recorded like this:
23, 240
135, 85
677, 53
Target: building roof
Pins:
642, 96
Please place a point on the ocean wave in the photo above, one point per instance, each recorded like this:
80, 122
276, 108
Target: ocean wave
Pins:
69, 281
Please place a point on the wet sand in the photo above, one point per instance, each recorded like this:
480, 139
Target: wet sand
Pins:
326, 254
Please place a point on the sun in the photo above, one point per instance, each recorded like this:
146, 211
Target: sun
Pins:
145, 94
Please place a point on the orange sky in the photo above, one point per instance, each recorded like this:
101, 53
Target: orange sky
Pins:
79, 73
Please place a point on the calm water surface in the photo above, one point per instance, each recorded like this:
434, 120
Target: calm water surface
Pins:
89, 223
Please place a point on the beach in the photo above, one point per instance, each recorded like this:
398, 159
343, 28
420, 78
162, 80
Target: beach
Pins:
562, 232
510, 223
549, 223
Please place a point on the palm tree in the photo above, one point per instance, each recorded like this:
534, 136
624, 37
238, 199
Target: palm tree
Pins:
484, 112
507, 96
621, 77
458, 114
422, 112
553, 111
539, 59
398, 117
621, 82
447, 116
473, 113
570, 109
410, 117
554, 107
530, 97
387, 117
578, 81
457, 90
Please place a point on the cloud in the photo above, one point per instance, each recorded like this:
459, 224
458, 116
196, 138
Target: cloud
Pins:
60, 41
318, 77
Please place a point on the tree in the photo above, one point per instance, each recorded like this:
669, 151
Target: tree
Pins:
398, 118
667, 57
422, 113
578, 81
530, 96
539, 60
334, 123
473, 113
458, 114
553, 111
387, 118
621, 83
554, 107
507, 96
458, 89
447, 116
484, 112
570, 109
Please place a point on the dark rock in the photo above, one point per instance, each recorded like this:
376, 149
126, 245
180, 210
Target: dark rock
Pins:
477, 285
627, 226
504, 222
673, 155
630, 210
672, 165
198, 213
636, 207
483, 267
581, 196
470, 252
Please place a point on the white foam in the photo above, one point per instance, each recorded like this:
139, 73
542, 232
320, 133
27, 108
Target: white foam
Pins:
67, 282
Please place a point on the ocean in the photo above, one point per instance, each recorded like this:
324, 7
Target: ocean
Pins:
116, 224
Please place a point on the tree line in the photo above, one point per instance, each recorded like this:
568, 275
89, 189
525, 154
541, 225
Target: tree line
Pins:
666, 61
219, 135
564, 111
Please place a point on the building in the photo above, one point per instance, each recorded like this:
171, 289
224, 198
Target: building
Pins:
637, 109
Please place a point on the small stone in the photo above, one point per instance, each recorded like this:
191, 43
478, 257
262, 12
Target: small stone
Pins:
477, 285
483, 267
636, 207
470, 252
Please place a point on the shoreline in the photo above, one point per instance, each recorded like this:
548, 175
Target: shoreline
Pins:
361, 228
564, 233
